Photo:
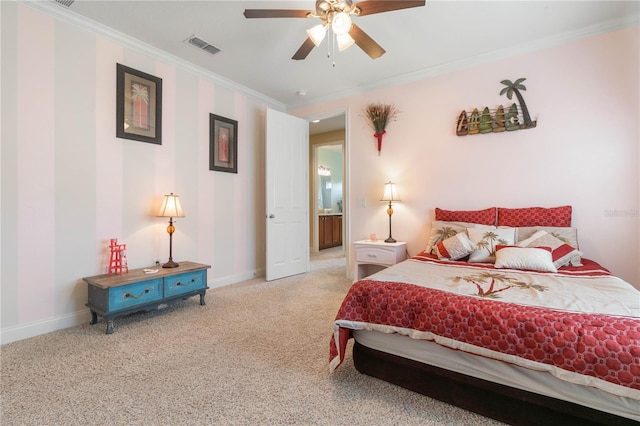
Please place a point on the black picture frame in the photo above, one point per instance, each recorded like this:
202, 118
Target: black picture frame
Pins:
138, 105
223, 144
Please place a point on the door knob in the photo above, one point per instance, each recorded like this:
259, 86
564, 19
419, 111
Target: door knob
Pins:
271, 216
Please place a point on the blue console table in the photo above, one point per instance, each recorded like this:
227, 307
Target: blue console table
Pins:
112, 296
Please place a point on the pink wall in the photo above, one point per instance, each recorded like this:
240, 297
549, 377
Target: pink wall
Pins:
584, 151
69, 184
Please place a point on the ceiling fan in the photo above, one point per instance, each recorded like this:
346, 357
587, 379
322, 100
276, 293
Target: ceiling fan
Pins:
336, 15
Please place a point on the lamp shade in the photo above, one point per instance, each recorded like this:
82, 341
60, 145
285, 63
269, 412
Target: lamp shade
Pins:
171, 207
341, 23
317, 33
344, 41
390, 192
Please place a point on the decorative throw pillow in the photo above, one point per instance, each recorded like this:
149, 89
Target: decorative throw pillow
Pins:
561, 252
487, 240
455, 247
532, 258
441, 230
483, 217
567, 234
535, 216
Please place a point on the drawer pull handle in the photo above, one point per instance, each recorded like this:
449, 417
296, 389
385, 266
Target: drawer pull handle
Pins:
372, 256
129, 295
179, 284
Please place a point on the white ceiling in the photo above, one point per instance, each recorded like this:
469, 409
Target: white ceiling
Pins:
328, 124
423, 41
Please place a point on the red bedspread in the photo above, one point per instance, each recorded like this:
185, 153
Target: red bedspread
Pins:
602, 346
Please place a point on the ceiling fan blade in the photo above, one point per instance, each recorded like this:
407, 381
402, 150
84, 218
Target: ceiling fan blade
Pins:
304, 50
378, 6
366, 43
275, 13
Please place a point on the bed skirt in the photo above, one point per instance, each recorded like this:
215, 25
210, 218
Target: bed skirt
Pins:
500, 402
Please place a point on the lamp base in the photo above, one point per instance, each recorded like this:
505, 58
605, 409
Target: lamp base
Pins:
170, 264
390, 240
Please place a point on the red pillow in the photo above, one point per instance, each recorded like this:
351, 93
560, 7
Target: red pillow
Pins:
482, 217
535, 216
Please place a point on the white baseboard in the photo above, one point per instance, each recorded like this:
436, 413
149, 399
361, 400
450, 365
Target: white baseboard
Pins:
43, 326
47, 325
232, 279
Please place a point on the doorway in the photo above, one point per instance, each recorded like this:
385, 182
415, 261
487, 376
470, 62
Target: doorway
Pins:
328, 192
328, 205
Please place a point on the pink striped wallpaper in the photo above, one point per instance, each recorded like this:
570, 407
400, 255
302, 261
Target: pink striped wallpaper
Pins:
69, 185
36, 170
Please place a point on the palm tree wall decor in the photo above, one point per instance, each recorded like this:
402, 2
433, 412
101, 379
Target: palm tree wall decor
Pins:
497, 120
516, 87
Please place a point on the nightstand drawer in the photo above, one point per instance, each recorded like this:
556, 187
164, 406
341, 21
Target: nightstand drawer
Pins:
130, 295
184, 283
377, 255
374, 256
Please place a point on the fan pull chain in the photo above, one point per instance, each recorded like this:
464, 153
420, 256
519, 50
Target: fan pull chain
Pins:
332, 47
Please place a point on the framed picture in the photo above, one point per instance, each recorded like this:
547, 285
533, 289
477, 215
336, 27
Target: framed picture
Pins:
223, 144
138, 106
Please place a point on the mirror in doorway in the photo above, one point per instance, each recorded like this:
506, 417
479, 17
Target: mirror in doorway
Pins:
325, 193
330, 178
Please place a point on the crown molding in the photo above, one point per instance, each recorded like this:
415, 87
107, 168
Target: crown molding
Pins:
448, 67
65, 15
57, 11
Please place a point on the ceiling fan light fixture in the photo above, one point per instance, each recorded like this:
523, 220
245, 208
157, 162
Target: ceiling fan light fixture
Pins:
341, 23
335, 17
344, 41
317, 33
322, 6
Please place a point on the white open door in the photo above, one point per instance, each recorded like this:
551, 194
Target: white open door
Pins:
287, 194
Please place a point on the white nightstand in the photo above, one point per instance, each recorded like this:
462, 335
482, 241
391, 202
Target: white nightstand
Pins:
374, 256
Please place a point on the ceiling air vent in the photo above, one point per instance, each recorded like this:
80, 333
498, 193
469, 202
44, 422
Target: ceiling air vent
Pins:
202, 45
67, 3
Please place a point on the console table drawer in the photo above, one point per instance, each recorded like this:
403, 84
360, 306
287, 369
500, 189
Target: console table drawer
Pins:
135, 294
184, 283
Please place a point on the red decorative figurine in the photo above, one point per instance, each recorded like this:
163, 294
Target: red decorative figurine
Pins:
118, 261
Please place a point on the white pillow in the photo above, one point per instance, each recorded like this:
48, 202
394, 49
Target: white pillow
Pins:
455, 247
486, 241
532, 258
441, 230
567, 234
561, 252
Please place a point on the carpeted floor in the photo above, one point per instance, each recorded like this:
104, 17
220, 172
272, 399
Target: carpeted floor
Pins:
256, 353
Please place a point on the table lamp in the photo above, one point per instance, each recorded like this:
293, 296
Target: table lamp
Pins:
171, 208
390, 195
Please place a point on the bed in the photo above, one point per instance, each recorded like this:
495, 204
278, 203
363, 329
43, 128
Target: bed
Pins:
502, 315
